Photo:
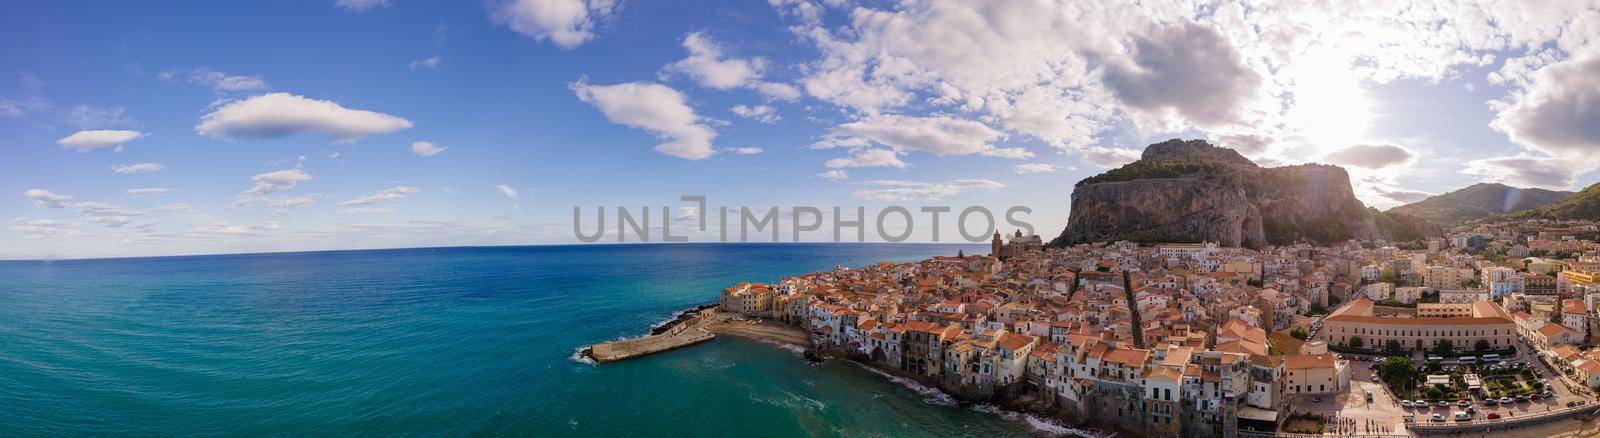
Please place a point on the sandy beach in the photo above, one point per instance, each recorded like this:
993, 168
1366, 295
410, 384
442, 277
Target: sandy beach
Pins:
768, 331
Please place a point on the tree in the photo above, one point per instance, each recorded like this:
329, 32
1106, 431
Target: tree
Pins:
1396, 369
1299, 333
1354, 342
1443, 347
1393, 346
1481, 346
1393, 303
1317, 309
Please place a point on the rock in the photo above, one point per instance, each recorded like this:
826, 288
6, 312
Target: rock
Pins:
1191, 191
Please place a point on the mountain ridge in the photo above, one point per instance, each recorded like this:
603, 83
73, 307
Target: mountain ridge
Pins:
1479, 201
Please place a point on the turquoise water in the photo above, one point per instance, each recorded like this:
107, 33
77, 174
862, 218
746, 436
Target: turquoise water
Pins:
428, 342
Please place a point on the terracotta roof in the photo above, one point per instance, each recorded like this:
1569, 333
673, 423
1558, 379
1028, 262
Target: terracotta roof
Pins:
1553, 330
1308, 361
1013, 341
1131, 357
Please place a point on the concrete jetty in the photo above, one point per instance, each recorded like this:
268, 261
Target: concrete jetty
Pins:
683, 334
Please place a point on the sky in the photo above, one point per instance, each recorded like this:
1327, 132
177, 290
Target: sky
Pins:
140, 129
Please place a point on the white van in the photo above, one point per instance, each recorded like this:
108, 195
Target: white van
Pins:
1462, 416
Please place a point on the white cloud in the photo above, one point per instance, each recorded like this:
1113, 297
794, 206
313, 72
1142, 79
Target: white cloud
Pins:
178, 208
430, 63
896, 191
939, 135
221, 83
834, 175
47, 199
290, 202
1525, 171
129, 169
1372, 156
1109, 157
709, 68
656, 108
1559, 112
567, 23
759, 113
281, 114
110, 215
84, 141
1067, 72
88, 117
149, 191
359, 6
425, 148
42, 228
269, 183
868, 158
1188, 69
1404, 196
746, 150
1037, 168
506, 190
277, 181
391, 194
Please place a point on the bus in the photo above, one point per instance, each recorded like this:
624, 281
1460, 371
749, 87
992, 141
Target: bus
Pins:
1491, 358
1467, 360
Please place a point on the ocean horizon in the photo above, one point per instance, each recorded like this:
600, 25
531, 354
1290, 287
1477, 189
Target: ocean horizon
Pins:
435, 341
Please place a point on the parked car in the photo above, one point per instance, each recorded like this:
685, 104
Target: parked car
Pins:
1407, 403
1492, 416
1462, 403
1505, 400
1535, 396
1462, 416
1442, 404
1548, 394
1522, 398
1571, 404
1490, 402
1437, 418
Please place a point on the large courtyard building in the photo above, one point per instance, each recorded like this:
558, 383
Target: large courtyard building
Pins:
1461, 324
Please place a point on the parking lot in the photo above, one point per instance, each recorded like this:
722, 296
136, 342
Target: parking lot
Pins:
1481, 409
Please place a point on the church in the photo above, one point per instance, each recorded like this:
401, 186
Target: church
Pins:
1018, 245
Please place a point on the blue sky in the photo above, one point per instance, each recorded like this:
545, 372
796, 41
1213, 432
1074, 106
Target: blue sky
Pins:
295, 125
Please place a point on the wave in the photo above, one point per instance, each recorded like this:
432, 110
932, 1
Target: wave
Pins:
1038, 423
792, 401
792, 348
929, 395
579, 357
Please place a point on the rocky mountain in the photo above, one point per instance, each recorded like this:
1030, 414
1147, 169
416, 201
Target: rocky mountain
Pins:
1479, 201
1191, 191
1582, 205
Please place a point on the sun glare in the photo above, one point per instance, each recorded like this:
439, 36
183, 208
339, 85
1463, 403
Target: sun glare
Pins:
1330, 105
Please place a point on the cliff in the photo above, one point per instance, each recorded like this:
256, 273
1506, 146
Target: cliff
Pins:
1191, 191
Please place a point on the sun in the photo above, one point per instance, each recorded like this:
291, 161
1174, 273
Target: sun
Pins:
1330, 105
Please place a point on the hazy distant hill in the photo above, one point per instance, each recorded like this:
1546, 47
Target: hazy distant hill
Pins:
1581, 205
1480, 201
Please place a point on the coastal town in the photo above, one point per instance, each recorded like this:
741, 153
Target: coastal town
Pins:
1489, 328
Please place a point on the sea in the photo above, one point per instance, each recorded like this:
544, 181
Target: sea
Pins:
437, 341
